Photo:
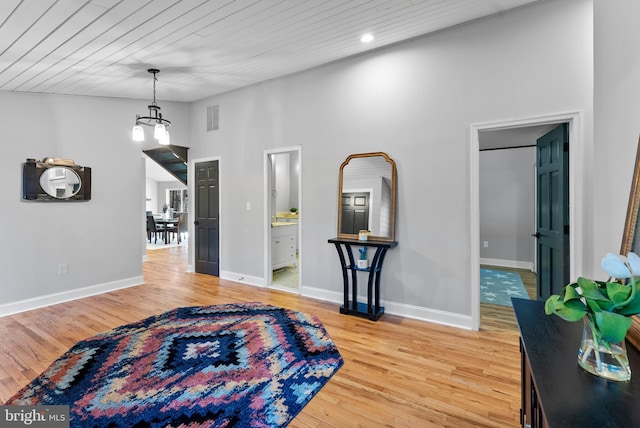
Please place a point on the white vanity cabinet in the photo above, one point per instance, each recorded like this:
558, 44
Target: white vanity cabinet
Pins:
283, 245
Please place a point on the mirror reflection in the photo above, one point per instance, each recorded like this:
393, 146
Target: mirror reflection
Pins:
367, 196
60, 182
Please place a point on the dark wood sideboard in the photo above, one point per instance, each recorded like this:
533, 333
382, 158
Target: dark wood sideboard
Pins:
556, 392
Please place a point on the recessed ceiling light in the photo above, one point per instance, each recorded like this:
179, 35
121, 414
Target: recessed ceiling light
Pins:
366, 38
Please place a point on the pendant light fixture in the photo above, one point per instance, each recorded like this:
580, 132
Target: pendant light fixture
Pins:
154, 119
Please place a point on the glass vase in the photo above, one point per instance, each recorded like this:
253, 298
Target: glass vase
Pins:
601, 357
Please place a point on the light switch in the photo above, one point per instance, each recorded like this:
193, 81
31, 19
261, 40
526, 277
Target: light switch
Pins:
248, 206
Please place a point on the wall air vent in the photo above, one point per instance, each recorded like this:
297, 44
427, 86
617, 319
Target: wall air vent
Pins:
213, 117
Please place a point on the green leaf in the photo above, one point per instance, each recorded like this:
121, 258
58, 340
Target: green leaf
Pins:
590, 290
572, 310
617, 292
631, 308
554, 301
597, 306
604, 305
613, 327
570, 293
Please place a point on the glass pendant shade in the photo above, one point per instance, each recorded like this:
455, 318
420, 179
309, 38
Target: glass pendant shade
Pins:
159, 131
165, 140
138, 133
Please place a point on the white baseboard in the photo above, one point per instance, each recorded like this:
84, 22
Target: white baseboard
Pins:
320, 294
65, 296
285, 289
507, 263
243, 279
400, 309
427, 314
392, 308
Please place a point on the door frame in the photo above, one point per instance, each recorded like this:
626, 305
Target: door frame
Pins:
191, 249
268, 277
576, 184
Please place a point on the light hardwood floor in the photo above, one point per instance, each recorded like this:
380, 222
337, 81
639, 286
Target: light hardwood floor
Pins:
398, 372
501, 316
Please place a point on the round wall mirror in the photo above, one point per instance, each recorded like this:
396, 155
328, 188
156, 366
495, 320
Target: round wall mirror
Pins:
60, 182
367, 196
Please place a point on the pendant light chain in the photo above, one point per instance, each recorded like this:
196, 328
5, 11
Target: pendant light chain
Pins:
154, 88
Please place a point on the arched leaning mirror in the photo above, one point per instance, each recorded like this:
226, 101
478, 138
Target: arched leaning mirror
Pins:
631, 237
367, 196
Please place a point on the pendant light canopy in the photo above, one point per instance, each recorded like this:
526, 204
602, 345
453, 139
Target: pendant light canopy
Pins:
154, 119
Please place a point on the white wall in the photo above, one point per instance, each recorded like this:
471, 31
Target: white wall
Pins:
507, 206
617, 124
415, 101
100, 240
153, 202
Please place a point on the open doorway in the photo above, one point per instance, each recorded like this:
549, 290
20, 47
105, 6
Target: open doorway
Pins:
283, 217
166, 201
536, 125
507, 213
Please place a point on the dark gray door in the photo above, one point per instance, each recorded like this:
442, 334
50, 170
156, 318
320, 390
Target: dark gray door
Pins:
355, 212
207, 211
552, 170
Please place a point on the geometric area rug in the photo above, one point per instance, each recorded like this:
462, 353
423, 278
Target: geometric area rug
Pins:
498, 287
248, 365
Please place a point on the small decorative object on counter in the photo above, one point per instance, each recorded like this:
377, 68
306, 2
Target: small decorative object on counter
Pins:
363, 263
363, 235
606, 308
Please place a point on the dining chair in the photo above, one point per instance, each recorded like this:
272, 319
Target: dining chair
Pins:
172, 228
183, 225
178, 228
154, 228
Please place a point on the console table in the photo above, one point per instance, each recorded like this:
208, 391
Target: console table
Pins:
372, 309
556, 392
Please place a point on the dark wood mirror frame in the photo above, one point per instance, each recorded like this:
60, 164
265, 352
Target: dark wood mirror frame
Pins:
631, 238
393, 186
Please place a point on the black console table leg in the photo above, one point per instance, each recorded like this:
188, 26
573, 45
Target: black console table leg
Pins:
345, 276
373, 274
354, 278
383, 253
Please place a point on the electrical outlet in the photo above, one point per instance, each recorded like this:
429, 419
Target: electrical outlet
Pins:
63, 269
485, 244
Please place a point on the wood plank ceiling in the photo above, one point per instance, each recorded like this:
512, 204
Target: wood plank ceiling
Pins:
202, 48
